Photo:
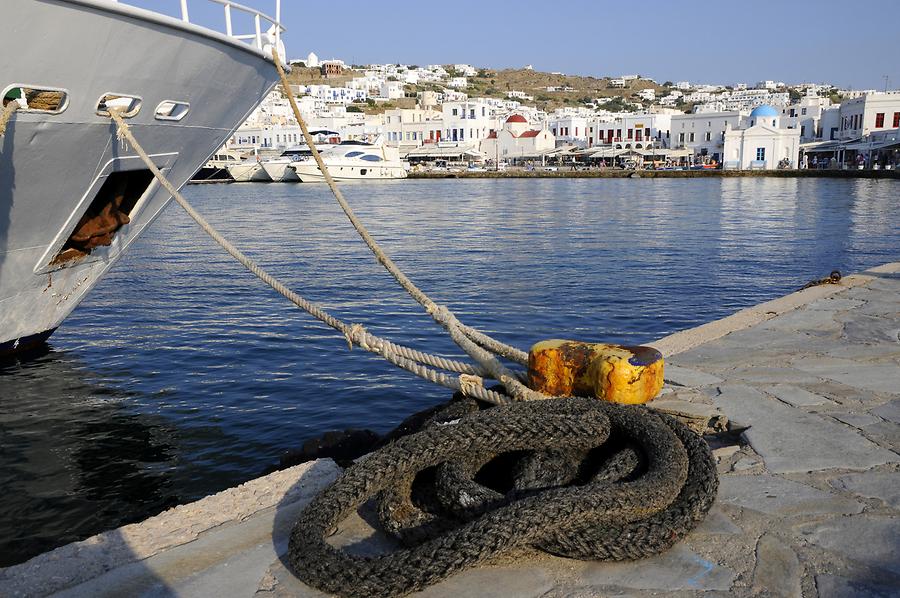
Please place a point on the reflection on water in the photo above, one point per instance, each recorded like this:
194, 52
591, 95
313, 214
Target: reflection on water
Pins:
182, 375
74, 458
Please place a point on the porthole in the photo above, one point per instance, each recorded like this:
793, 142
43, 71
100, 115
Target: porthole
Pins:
128, 105
32, 98
171, 110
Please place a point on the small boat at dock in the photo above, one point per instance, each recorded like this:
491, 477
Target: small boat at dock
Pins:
216, 168
277, 168
248, 171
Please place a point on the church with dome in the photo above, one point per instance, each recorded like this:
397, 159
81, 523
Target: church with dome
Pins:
517, 139
761, 143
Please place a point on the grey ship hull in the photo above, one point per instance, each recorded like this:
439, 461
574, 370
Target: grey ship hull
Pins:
52, 166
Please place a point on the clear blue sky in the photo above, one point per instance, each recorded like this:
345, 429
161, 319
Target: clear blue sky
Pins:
846, 43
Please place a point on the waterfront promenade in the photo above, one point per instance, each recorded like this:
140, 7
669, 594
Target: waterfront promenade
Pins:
809, 501
619, 173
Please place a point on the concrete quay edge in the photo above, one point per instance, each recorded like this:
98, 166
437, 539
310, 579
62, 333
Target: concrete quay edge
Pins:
684, 340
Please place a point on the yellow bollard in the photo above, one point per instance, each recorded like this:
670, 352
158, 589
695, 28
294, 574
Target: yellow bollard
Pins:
613, 373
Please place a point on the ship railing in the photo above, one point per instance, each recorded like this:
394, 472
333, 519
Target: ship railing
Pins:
260, 37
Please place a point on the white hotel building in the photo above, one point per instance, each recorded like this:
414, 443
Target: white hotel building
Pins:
872, 112
631, 131
468, 121
569, 130
408, 128
704, 132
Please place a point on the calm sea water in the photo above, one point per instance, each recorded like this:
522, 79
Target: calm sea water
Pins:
181, 374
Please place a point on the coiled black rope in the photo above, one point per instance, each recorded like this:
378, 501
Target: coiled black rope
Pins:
587, 480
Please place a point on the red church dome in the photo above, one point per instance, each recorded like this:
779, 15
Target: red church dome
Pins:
516, 118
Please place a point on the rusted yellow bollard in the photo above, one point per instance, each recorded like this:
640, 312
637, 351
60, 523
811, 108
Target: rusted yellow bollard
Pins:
610, 372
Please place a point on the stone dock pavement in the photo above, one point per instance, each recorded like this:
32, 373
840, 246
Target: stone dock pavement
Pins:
809, 502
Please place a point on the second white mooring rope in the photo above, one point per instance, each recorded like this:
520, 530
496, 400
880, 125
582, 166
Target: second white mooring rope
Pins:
477, 345
409, 359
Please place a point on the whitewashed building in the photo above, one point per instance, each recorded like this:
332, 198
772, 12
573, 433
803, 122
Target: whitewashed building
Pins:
391, 90
806, 114
407, 128
467, 121
569, 130
517, 139
703, 133
631, 131
336, 95
869, 113
763, 144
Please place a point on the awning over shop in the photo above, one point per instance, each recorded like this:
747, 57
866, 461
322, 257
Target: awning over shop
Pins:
871, 146
434, 152
822, 146
610, 152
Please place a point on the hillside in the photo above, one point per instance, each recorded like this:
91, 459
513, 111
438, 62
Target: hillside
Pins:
301, 75
576, 90
496, 84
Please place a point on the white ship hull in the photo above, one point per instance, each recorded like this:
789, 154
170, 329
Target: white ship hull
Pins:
53, 166
249, 172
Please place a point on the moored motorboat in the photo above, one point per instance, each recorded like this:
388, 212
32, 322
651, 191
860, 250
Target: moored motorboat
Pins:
216, 168
248, 171
353, 161
277, 168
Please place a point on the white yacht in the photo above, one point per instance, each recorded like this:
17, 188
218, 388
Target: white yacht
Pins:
216, 168
73, 197
277, 168
354, 161
248, 170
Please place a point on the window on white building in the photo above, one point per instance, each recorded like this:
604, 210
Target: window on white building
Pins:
761, 154
708, 136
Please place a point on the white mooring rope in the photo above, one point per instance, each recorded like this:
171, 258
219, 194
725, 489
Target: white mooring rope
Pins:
477, 345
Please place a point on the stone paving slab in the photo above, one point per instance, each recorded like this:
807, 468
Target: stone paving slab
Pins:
795, 396
881, 485
775, 495
890, 411
677, 569
808, 505
877, 377
835, 586
683, 376
778, 569
870, 540
784, 436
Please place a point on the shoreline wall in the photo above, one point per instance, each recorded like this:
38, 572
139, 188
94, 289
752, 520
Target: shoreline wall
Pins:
612, 173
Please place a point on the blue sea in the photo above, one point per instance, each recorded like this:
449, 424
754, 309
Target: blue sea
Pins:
182, 375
